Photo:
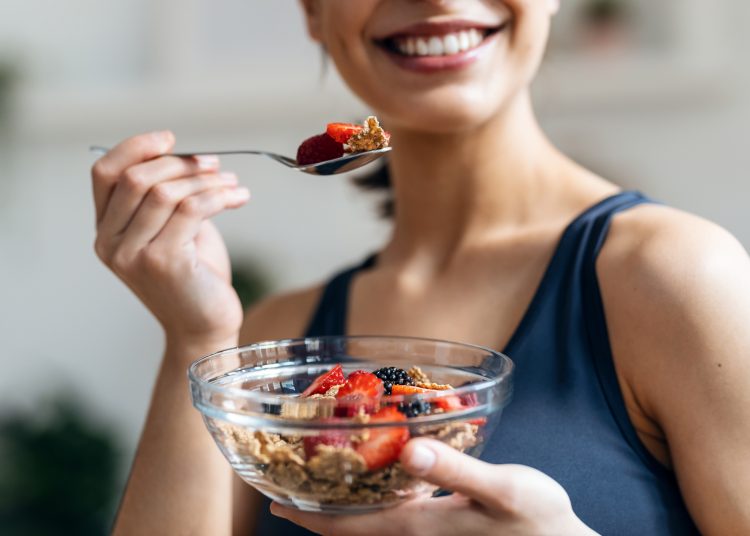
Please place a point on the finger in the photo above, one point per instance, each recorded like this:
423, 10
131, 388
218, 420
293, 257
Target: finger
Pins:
186, 220
160, 204
136, 182
109, 167
444, 466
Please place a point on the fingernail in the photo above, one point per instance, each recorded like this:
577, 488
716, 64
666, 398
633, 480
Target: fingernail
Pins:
207, 161
227, 178
241, 193
421, 459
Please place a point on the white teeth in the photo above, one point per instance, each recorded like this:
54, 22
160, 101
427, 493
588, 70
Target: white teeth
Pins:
475, 38
436, 46
450, 44
464, 43
445, 45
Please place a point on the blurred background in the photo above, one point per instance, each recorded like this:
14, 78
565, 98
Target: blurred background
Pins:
653, 95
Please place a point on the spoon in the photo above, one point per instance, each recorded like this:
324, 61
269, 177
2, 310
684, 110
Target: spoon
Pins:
345, 163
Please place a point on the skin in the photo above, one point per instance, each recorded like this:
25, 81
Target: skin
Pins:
481, 200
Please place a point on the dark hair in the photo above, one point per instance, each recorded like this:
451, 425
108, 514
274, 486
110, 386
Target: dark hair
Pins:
379, 181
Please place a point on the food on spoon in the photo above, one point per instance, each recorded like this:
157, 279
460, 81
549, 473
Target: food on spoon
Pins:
318, 149
340, 139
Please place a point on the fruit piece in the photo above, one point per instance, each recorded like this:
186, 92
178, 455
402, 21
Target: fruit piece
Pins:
415, 408
318, 149
393, 376
362, 390
383, 446
341, 132
409, 390
325, 381
331, 438
446, 403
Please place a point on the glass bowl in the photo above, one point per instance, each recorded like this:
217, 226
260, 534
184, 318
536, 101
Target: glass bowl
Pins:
340, 455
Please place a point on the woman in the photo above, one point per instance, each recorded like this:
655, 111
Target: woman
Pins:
632, 405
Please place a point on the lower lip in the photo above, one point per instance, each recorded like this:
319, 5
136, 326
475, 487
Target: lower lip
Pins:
434, 64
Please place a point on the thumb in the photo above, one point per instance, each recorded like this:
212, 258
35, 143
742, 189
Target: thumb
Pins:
444, 466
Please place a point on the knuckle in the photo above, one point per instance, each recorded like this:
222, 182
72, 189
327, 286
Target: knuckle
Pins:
162, 194
153, 259
510, 496
120, 261
102, 249
191, 206
100, 169
134, 180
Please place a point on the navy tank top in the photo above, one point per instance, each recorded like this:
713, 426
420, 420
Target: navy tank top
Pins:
567, 417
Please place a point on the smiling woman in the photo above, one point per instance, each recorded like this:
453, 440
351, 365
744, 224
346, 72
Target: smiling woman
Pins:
615, 309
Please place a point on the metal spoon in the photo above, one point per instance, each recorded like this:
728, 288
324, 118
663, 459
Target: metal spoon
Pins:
345, 163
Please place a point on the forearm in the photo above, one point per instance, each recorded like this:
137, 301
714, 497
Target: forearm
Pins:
179, 483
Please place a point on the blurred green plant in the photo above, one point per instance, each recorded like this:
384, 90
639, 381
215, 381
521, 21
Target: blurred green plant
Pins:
250, 281
58, 472
9, 74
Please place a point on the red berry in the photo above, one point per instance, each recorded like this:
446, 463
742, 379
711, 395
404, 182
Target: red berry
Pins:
383, 446
341, 132
331, 438
325, 381
362, 390
318, 149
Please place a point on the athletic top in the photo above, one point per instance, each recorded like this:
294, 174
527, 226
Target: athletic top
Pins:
567, 418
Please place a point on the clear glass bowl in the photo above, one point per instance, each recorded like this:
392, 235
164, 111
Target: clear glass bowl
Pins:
251, 404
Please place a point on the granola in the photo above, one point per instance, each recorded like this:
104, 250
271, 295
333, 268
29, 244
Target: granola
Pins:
341, 466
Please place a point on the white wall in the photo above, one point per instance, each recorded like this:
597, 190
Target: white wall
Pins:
100, 71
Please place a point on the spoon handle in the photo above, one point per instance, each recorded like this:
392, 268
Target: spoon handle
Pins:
102, 150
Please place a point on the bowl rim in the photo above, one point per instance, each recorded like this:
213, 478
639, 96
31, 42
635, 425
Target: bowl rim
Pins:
261, 397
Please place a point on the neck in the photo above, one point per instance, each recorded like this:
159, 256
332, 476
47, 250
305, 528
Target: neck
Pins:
457, 189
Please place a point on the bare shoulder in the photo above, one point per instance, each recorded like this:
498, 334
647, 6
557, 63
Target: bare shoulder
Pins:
280, 316
676, 293
666, 272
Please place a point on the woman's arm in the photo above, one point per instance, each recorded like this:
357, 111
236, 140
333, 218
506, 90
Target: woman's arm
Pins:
676, 291
153, 232
179, 483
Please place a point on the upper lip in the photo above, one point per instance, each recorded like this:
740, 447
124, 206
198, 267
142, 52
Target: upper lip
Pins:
425, 28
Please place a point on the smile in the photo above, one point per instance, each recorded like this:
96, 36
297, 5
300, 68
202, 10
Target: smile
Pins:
429, 47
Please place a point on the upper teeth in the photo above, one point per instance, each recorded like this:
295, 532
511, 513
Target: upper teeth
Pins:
445, 45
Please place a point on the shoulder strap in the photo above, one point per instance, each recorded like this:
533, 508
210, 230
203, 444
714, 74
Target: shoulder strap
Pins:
597, 331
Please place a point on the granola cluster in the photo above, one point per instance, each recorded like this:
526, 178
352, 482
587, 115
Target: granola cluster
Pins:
370, 138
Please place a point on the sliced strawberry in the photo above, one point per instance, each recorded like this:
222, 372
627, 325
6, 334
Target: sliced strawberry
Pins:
325, 381
341, 132
318, 149
383, 446
332, 438
362, 390
448, 403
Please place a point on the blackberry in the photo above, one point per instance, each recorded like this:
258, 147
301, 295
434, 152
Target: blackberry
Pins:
415, 409
393, 376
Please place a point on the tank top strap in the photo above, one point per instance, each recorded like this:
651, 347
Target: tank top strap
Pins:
596, 323
330, 315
